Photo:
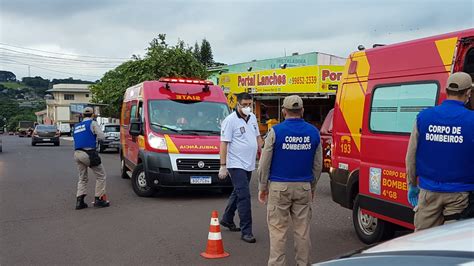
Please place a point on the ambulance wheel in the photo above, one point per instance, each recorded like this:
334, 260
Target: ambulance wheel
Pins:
369, 229
140, 184
123, 169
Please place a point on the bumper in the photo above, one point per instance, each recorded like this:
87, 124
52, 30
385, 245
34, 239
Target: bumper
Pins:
45, 139
110, 143
339, 190
159, 172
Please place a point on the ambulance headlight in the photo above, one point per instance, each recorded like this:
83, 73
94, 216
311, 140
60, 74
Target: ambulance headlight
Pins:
157, 142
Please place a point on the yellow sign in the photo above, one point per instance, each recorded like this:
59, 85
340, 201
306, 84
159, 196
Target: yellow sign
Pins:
308, 79
231, 100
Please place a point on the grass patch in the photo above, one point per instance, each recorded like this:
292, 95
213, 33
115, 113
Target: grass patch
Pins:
13, 85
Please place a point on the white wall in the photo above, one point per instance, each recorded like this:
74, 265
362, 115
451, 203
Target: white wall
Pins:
63, 113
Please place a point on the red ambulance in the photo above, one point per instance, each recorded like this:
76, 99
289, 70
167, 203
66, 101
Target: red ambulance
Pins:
383, 89
170, 135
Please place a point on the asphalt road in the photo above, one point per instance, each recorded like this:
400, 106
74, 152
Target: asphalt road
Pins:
39, 225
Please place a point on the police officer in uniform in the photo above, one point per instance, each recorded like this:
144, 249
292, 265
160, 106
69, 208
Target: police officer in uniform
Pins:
86, 156
289, 168
439, 158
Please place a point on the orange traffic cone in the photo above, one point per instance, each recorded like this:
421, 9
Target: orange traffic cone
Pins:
215, 246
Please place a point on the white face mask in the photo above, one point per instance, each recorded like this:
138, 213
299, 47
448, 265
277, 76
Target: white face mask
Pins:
247, 110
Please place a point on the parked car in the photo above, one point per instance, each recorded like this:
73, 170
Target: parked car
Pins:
112, 138
45, 134
450, 244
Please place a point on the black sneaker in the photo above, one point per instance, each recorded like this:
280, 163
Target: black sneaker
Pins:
101, 203
231, 226
249, 239
80, 204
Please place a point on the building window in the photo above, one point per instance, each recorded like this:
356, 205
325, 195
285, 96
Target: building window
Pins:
394, 108
69, 97
87, 95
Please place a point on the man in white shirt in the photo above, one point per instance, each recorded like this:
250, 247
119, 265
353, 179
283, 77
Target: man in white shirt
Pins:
240, 141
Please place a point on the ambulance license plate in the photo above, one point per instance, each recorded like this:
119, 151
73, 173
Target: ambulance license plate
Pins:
201, 180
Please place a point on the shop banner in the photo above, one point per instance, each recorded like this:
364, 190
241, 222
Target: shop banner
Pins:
308, 79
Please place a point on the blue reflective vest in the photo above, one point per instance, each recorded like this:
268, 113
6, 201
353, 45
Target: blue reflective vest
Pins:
84, 138
445, 152
293, 151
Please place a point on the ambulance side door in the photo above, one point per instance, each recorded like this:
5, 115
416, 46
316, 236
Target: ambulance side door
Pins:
131, 143
391, 112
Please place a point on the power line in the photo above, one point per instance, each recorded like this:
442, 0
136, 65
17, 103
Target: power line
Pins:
43, 51
51, 70
62, 63
60, 58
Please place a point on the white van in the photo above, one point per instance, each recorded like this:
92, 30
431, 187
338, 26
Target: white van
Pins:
64, 128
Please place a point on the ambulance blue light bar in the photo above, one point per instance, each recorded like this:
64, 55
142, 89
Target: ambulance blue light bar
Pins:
186, 81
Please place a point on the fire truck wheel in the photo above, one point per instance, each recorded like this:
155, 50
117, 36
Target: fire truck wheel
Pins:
369, 229
139, 183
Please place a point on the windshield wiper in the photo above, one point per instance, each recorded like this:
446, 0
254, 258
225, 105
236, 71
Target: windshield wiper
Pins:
164, 127
202, 131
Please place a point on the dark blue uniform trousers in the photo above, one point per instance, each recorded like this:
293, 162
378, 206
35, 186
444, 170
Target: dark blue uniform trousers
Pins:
240, 200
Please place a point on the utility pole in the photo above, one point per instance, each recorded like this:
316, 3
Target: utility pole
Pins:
29, 72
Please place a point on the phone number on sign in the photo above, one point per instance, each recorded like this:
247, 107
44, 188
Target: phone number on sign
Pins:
303, 80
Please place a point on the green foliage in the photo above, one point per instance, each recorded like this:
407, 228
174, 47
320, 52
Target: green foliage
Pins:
36, 82
197, 52
7, 76
206, 53
9, 109
13, 85
13, 121
70, 81
161, 60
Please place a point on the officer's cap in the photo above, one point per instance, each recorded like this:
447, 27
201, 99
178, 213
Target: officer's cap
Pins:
293, 102
459, 81
88, 111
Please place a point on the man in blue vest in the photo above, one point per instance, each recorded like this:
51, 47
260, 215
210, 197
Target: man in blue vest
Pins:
86, 156
292, 161
439, 159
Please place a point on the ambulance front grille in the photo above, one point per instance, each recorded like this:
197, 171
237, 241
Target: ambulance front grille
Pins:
198, 165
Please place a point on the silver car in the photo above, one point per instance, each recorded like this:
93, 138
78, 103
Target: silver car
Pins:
450, 244
112, 137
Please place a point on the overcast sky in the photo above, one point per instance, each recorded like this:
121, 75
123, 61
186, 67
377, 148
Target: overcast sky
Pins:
238, 31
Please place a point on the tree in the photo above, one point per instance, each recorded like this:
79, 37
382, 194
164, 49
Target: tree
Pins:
206, 53
36, 82
160, 60
6, 76
70, 81
197, 52
13, 121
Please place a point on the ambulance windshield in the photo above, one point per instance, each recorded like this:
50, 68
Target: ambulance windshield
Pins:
187, 117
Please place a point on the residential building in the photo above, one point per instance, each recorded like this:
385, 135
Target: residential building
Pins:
66, 103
